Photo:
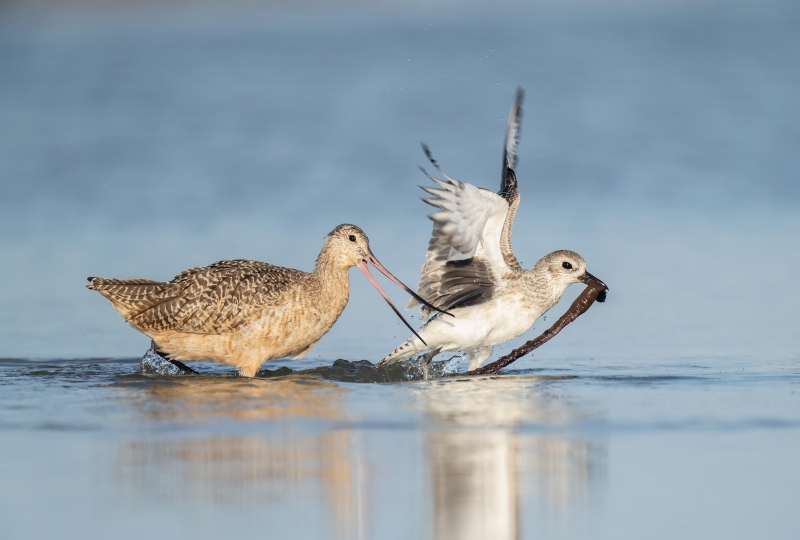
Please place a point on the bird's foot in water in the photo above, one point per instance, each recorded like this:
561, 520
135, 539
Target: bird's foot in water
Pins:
422, 367
154, 363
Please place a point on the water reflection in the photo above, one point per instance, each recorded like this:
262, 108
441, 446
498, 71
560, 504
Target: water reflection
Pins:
498, 450
482, 465
206, 397
307, 468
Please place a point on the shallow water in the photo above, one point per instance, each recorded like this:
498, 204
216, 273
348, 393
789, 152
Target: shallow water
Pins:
586, 449
659, 141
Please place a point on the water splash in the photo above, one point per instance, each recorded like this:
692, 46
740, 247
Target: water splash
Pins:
155, 364
357, 371
414, 368
450, 365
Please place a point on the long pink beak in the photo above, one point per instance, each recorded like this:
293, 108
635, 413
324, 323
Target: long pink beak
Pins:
362, 265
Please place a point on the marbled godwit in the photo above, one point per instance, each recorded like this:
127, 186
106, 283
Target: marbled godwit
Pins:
241, 313
471, 270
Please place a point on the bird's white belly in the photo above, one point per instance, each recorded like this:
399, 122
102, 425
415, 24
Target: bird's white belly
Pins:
479, 326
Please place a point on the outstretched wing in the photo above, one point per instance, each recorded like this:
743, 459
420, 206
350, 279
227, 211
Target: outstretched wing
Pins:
206, 300
508, 181
464, 262
513, 125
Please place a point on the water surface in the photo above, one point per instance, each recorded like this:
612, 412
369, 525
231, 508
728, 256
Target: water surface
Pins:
583, 450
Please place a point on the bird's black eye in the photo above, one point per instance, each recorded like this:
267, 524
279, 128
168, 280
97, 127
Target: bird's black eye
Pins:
352, 237
566, 265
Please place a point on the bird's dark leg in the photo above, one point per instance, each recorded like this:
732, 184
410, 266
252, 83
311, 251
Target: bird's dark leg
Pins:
180, 365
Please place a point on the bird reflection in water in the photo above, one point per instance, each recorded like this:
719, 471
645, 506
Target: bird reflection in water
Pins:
496, 457
281, 464
501, 452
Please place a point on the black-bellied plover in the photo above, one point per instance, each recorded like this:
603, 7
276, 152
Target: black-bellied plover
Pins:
471, 271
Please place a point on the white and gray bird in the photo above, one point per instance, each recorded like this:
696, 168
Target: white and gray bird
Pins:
471, 271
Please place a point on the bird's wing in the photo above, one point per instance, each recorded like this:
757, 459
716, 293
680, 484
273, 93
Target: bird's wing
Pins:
206, 300
464, 262
513, 125
508, 181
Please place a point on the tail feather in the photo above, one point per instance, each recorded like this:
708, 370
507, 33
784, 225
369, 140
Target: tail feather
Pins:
405, 350
120, 285
128, 296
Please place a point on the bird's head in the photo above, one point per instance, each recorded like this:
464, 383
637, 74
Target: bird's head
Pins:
562, 268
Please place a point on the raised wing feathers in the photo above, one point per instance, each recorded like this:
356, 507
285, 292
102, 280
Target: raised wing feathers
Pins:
470, 246
463, 262
463, 211
513, 125
508, 181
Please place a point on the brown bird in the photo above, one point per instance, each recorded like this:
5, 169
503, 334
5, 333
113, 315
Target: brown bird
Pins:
242, 313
